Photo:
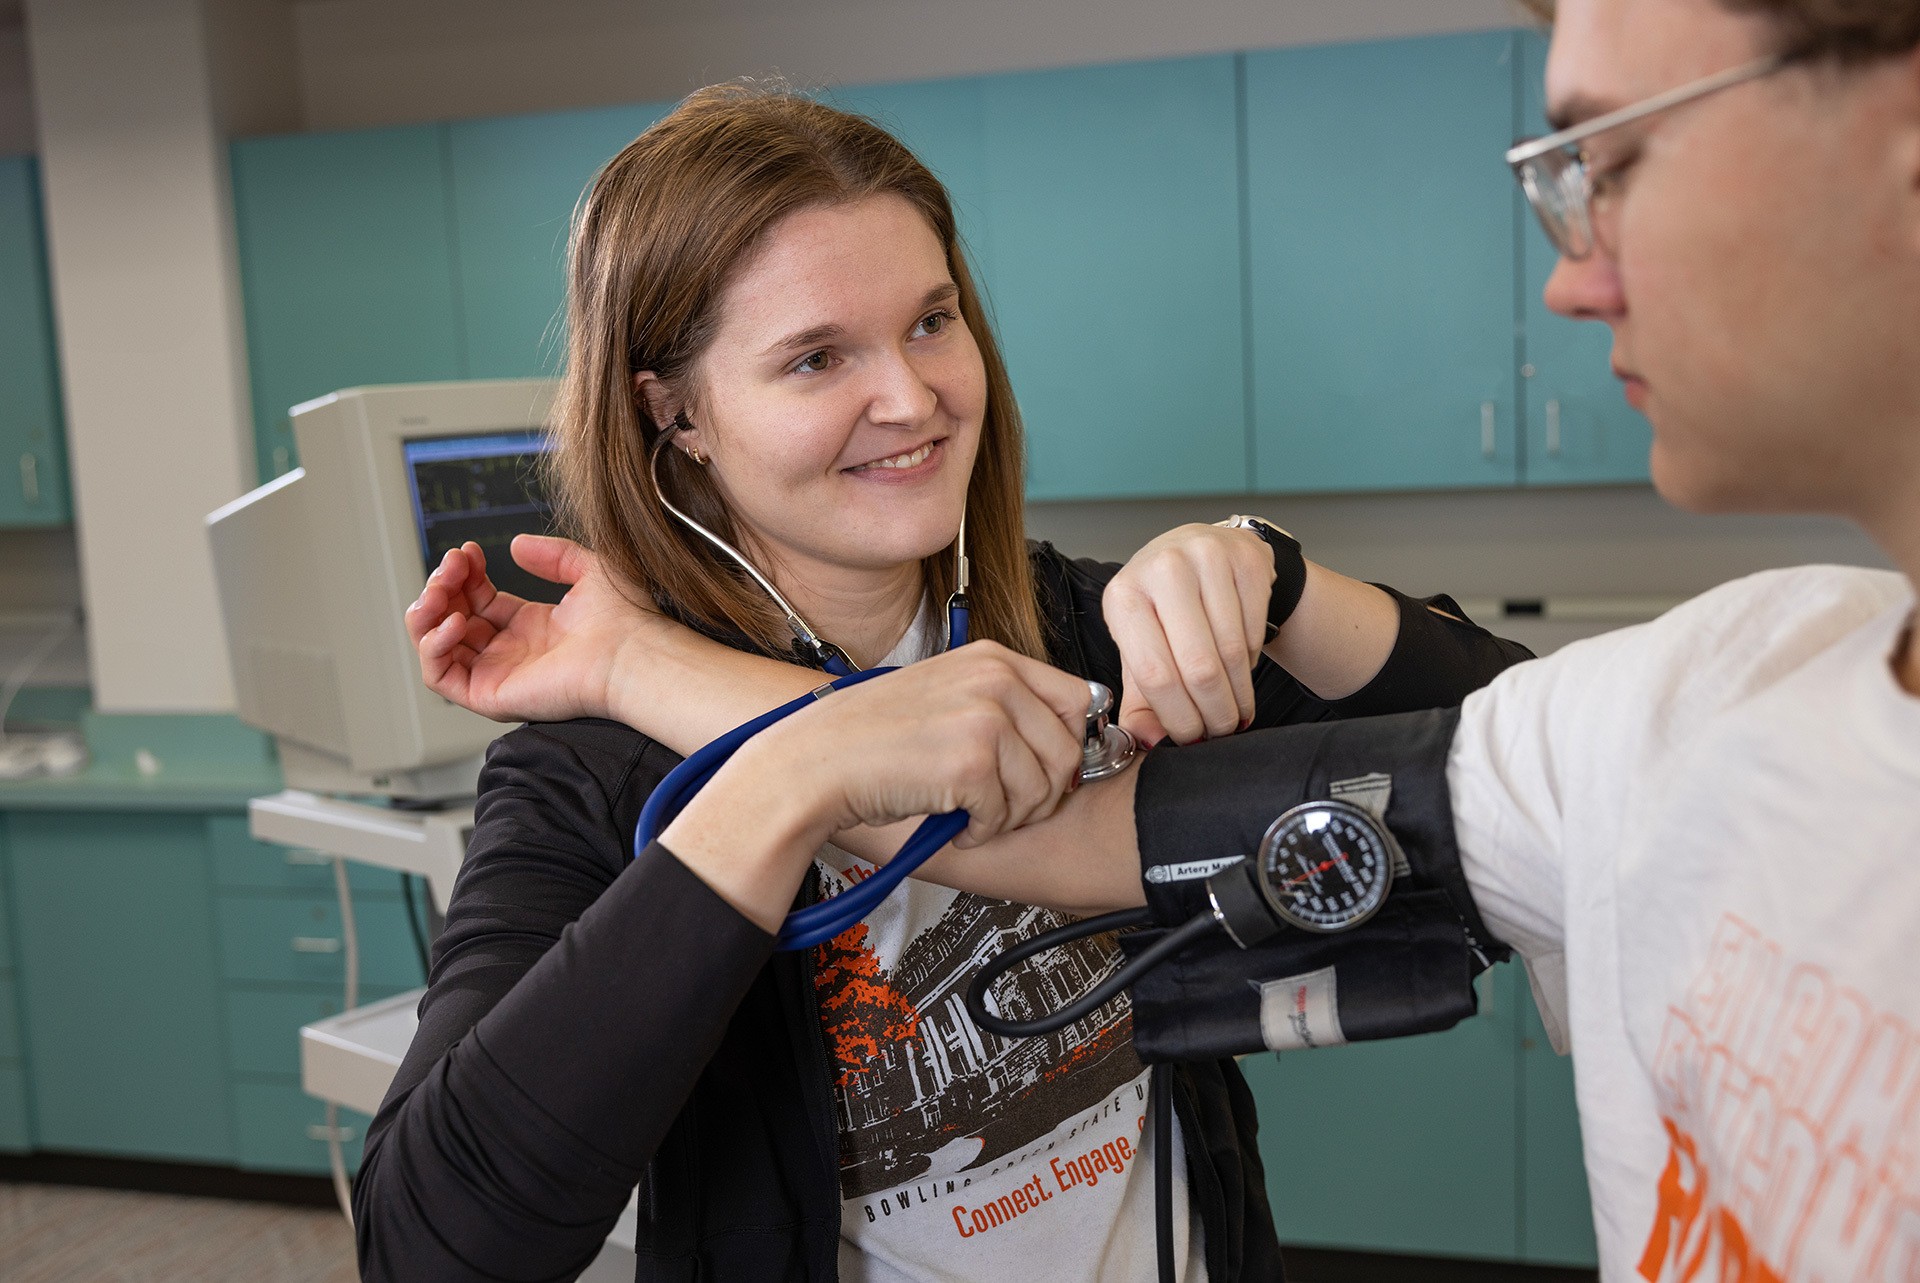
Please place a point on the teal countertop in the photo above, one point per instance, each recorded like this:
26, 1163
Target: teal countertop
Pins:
200, 762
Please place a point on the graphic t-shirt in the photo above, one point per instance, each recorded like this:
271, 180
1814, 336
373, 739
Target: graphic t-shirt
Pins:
964, 1156
1703, 835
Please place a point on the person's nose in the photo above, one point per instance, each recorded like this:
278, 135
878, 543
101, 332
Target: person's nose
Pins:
1586, 289
901, 394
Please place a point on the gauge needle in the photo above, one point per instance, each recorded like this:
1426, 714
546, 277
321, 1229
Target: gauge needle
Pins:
1315, 871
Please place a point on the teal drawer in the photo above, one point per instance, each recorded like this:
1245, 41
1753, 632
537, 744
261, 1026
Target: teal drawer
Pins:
280, 1128
263, 1025
15, 1135
9, 1018
269, 939
244, 864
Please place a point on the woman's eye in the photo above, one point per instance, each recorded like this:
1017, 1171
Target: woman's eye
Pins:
813, 363
935, 322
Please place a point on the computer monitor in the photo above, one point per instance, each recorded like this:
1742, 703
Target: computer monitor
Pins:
315, 570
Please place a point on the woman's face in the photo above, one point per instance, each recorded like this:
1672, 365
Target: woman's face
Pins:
840, 402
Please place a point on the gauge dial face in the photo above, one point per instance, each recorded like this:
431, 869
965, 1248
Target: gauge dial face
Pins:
1326, 866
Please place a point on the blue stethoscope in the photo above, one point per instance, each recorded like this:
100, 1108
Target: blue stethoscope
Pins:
1107, 748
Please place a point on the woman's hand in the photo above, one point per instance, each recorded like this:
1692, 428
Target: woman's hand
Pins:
516, 660
980, 729
1189, 614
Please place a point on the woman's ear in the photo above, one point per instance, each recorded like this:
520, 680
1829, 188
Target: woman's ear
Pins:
665, 410
650, 393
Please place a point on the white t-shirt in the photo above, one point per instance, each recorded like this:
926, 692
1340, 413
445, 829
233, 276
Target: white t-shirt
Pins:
966, 1158
1703, 835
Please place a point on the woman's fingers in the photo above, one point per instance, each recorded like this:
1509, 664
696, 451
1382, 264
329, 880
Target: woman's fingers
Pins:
1225, 609
557, 560
1193, 641
1146, 656
1136, 715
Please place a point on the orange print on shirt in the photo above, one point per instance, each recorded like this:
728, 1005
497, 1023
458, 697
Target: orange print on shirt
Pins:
1792, 1113
858, 1010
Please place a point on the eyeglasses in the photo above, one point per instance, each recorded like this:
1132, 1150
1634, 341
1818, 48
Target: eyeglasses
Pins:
1553, 171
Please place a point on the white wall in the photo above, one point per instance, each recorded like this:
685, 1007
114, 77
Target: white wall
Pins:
374, 62
147, 309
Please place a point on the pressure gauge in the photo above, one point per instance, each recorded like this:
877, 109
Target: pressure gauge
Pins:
1326, 866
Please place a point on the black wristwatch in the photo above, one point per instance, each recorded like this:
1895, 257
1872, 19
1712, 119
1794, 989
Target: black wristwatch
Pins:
1289, 568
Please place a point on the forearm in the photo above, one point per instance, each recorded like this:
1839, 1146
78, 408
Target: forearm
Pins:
1339, 635
1083, 859
751, 833
683, 690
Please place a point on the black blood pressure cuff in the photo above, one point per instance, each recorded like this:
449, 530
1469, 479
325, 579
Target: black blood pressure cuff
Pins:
1409, 969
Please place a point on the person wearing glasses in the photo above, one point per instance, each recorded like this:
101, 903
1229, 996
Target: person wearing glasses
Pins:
1701, 834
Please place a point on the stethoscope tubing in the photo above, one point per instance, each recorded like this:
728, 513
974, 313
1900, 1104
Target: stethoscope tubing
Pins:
817, 923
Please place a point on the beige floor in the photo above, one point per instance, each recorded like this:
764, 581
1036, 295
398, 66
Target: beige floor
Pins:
59, 1234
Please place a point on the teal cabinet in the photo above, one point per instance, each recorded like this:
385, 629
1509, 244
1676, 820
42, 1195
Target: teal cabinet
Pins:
280, 1128
273, 939
16, 1129
943, 123
347, 266
1556, 1210
160, 989
1580, 429
1404, 1146
1463, 1143
118, 984
1381, 265
33, 458
1112, 208
515, 182
241, 863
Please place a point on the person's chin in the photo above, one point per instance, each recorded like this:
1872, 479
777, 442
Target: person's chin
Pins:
1701, 481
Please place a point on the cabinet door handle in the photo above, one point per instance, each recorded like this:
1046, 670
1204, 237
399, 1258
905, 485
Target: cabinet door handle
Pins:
30, 478
1553, 429
1487, 442
316, 1131
315, 944
304, 859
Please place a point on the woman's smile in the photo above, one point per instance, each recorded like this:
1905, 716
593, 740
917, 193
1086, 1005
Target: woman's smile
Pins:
898, 469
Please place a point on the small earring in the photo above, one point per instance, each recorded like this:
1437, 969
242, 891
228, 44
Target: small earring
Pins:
693, 452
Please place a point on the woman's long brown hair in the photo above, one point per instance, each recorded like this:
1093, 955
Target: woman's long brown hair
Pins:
655, 241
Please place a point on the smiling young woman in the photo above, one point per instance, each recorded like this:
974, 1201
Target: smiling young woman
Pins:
768, 300
651, 257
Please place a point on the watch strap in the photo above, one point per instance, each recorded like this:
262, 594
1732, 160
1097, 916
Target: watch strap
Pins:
1289, 568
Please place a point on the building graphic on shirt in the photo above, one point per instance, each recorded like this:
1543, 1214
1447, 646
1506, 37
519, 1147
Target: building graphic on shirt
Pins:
921, 1090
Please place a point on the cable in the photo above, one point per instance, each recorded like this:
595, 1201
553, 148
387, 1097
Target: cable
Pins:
413, 922
1100, 995
1160, 1095
816, 923
336, 1159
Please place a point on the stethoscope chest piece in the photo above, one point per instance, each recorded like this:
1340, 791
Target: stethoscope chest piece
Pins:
1106, 749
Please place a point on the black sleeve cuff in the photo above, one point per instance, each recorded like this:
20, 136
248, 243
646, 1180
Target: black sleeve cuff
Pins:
1436, 661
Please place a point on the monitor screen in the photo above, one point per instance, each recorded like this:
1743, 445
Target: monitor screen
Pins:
485, 487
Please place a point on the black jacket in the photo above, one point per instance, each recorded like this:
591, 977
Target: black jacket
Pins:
596, 1021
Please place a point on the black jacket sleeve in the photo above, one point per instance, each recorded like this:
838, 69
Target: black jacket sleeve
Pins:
1438, 659
574, 997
